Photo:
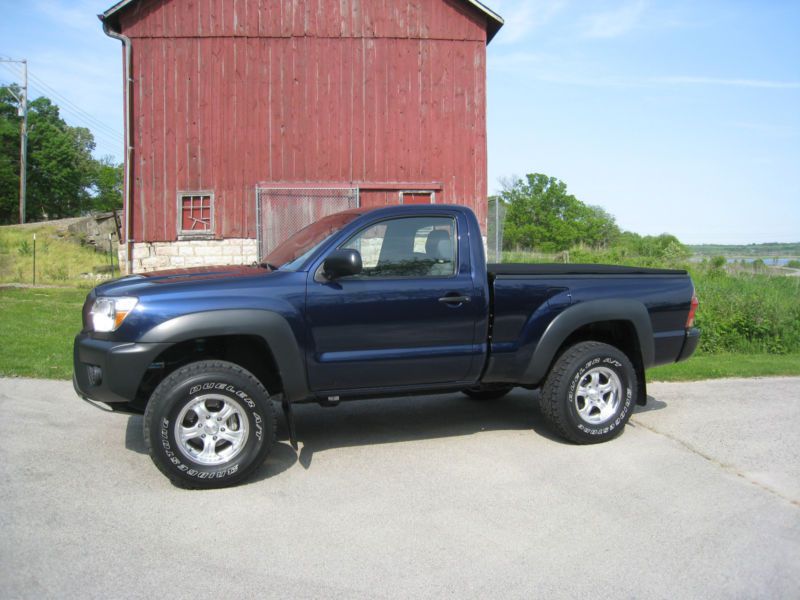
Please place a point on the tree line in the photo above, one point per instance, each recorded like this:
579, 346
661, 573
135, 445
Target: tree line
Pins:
540, 214
63, 178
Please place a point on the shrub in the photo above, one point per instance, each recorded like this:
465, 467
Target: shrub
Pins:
747, 313
718, 262
58, 273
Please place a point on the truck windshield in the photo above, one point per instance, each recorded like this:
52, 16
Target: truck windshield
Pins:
290, 254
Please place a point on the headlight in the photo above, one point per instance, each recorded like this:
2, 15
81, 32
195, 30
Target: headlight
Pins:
108, 313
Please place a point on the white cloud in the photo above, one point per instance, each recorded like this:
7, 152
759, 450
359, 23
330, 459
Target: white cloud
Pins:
614, 23
522, 17
515, 60
87, 86
80, 15
781, 130
541, 67
751, 83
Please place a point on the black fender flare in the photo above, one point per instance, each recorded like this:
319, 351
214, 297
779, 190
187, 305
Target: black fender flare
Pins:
272, 327
586, 313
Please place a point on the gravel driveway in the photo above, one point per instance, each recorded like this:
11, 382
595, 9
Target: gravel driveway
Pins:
424, 497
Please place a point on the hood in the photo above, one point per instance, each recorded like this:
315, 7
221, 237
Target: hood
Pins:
201, 273
133, 284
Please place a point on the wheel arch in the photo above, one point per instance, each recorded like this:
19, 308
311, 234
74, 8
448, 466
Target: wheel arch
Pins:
260, 341
622, 323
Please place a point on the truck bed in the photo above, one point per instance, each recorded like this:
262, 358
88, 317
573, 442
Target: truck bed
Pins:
529, 298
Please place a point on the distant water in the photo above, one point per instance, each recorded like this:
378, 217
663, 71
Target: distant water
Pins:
772, 262
769, 261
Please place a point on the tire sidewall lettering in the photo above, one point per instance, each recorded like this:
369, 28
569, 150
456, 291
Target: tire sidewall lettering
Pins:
168, 444
617, 420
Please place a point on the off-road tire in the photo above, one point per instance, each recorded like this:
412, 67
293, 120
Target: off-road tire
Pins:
209, 383
563, 399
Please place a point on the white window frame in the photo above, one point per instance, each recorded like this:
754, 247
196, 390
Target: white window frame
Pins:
431, 192
188, 234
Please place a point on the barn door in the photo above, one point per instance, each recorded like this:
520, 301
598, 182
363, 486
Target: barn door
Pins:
280, 212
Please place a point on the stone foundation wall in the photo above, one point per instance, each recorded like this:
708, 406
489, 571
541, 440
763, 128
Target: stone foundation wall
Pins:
93, 230
157, 256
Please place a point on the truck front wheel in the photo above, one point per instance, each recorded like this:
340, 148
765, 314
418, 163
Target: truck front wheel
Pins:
209, 424
590, 393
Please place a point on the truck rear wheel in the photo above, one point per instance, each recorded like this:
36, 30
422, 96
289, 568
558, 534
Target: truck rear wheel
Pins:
589, 394
209, 424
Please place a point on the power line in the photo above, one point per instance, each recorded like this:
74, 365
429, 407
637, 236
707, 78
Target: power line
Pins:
106, 140
90, 118
66, 106
65, 102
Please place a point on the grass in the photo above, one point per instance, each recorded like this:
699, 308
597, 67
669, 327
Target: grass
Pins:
715, 366
37, 327
60, 257
747, 313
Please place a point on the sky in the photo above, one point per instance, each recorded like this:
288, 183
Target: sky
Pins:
675, 116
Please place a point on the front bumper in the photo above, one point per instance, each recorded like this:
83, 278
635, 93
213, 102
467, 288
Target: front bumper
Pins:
111, 372
689, 344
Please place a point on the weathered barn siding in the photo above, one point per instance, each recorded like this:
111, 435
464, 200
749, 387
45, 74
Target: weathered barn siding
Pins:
426, 19
383, 94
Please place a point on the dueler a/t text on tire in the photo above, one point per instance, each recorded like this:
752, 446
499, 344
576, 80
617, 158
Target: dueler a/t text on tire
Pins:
209, 424
590, 392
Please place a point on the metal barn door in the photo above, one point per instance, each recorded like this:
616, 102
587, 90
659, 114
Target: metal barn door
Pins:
280, 212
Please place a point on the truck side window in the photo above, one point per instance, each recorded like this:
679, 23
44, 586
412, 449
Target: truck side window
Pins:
410, 247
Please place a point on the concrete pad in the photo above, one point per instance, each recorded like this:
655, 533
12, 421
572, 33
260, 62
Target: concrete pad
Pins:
748, 426
430, 497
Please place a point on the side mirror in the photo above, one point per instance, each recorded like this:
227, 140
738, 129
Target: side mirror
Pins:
341, 263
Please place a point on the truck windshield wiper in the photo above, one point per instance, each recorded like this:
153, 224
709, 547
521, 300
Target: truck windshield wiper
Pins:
266, 265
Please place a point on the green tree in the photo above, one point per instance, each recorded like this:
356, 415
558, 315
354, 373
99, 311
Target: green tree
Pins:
657, 249
60, 164
599, 227
107, 185
9, 156
64, 179
542, 214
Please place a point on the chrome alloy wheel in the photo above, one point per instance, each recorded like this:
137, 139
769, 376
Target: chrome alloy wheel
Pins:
598, 395
211, 429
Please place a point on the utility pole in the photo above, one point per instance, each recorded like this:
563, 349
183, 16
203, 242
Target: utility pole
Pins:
23, 143
23, 135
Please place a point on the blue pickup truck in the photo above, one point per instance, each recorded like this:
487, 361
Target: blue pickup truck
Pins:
394, 301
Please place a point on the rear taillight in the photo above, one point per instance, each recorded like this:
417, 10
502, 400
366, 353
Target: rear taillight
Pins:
692, 311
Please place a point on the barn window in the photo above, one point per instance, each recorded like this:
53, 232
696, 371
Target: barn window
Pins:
417, 197
195, 214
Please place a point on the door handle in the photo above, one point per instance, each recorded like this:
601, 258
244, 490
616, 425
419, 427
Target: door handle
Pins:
455, 299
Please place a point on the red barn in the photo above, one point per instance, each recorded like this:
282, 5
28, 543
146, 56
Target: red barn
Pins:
246, 119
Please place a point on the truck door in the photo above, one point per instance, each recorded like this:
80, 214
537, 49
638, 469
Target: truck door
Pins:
408, 318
